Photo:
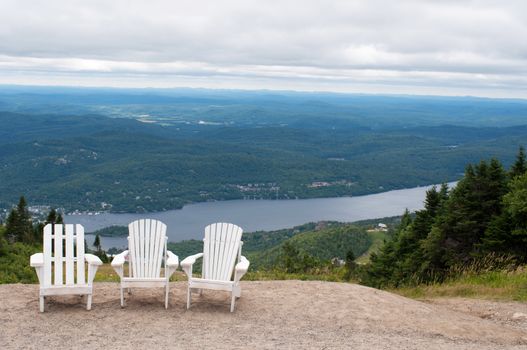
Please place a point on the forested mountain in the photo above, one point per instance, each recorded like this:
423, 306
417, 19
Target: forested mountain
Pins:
146, 150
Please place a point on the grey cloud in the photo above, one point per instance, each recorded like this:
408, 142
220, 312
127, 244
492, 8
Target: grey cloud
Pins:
471, 45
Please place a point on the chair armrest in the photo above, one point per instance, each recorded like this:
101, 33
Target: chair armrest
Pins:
173, 260
92, 259
190, 260
36, 260
243, 265
119, 259
118, 263
187, 263
172, 264
241, 268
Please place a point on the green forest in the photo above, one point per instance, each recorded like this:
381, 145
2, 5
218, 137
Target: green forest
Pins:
143, 151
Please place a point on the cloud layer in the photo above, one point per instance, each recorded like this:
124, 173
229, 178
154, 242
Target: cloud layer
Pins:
440, 47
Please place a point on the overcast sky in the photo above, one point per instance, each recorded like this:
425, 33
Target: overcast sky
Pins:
456, 47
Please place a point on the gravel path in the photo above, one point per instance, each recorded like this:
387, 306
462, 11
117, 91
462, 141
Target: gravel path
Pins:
270, 315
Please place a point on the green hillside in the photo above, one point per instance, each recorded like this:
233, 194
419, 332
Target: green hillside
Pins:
321, 241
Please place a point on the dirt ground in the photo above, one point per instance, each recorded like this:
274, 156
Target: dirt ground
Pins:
269, 315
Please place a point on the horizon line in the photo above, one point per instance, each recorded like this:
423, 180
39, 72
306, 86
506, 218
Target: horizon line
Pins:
240, 89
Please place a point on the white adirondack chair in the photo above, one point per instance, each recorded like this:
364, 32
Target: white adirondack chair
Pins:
147, 243
64, 256
222, 246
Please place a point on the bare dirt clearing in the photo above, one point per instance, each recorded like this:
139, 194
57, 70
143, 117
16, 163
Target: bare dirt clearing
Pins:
270, 315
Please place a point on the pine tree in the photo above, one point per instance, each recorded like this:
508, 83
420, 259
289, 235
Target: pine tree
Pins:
515, 203
412, 264
52, 217
472, 205
507, 233
406, 220
97, 243
520, 165
19, 226
12, 223
351, 265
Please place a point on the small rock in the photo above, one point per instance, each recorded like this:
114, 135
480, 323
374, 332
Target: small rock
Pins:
519, 316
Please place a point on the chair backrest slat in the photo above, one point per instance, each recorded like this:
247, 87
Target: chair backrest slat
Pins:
70, 262
158, 249
146, 247
206, 253
149, 246
221, 262
141, 243
47, 255
230, 256
133, 229
216, 237
220, 248
59, 253
79, 233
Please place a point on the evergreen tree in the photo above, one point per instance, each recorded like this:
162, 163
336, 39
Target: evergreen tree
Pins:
474, 202
19, 226
406, 220
507, 233
52, 217
520, 165
99, 251
351, 265
515, 203
97, 243
412, 262
12, 223
380, 271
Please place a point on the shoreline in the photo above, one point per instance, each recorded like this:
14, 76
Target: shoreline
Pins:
96, 213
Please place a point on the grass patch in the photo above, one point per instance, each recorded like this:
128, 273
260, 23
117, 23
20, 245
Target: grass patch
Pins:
377, 241
492, 285
333, 275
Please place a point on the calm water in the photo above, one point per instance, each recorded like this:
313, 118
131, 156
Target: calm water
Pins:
256, 215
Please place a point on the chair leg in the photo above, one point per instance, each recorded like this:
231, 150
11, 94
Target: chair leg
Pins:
166, 296
122, 297
233, 299
189, 292
41, 304
88, 305
129, 291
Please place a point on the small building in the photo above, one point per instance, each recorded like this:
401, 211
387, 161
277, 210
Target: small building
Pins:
382, 227
336, 261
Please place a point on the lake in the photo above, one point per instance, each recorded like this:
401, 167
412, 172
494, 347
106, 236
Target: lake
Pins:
254, 215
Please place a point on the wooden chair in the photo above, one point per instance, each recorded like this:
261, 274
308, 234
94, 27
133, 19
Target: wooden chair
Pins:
147, 243
61, 268
222, 247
